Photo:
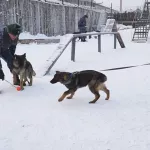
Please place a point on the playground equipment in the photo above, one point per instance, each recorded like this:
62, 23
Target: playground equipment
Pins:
142, 26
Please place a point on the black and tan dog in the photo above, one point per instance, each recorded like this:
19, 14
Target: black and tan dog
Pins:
73, 81
23, 68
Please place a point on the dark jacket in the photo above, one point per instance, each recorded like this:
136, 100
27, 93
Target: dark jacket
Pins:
7, 46
82, 22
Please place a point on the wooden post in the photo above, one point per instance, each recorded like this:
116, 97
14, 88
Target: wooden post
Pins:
73, 49
118, 36
78, 2
91, 4
115, 41
111, 11
99, 43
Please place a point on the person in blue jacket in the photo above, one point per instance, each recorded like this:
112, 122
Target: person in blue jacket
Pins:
9, 36
82, 26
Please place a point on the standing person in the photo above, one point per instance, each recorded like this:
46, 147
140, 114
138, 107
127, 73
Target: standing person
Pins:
8, 40
82, 26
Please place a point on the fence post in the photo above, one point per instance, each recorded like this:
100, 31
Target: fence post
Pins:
78, 2
73, 49
115, 41
99, 43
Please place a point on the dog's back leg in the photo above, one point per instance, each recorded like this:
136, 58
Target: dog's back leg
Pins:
25, 80
104, 88
31, 80
95, 92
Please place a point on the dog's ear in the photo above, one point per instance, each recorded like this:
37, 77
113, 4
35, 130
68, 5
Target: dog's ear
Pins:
24, 55
57, 72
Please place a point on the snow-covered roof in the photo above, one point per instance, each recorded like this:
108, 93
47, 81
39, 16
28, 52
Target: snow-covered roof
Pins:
59, 2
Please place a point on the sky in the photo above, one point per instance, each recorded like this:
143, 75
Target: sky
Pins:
127, 4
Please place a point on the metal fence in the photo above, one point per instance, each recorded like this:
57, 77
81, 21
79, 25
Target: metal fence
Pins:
44, 17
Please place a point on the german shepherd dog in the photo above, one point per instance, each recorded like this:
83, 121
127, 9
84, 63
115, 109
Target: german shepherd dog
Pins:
73, 81
24, 69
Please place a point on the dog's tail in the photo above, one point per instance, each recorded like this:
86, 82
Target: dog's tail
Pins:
103, 78
34, 74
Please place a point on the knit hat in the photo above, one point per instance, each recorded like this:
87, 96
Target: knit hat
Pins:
86, 16
14, 29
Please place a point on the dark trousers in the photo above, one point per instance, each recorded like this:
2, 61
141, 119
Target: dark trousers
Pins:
82, 30
7, 56
0, 65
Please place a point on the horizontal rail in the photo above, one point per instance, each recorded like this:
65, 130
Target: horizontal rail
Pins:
72, 39
95, 33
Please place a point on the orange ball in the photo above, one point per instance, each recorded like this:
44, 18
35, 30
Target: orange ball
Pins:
18, 88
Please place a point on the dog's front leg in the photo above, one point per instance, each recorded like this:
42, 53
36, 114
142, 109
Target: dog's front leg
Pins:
72, 94
21, 82
70, 97
65, 94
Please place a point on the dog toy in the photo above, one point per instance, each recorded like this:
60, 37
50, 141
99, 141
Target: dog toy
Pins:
18, 88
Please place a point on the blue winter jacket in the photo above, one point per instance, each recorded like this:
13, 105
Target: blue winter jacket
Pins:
6, 44
82, 22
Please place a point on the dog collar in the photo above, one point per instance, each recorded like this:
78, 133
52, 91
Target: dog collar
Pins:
72, 76
69, 80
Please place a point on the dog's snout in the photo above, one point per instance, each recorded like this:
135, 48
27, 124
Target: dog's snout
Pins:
53, 81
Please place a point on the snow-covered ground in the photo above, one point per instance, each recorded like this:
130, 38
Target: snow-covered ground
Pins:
34, 120
27, 35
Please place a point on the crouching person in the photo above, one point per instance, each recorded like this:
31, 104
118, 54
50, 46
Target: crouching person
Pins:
8, 40
2, 76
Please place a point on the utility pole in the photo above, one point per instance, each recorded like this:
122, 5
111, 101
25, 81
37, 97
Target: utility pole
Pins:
120, 6
111, 11
91, 3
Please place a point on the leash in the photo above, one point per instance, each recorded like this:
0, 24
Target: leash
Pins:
9, 83
17, 88
119, 68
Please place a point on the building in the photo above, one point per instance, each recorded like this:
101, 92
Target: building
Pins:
91, 4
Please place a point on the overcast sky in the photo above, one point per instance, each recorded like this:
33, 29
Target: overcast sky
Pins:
127, 4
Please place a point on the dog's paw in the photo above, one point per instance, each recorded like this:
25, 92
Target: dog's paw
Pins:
22, 89
24, 84
69, 97
60, 99
106, 98
91, 102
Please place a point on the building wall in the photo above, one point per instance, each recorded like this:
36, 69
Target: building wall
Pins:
89, 4
45, 18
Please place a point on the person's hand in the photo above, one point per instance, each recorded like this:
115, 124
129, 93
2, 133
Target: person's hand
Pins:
2, 76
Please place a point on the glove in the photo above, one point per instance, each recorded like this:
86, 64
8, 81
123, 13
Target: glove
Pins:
2, 76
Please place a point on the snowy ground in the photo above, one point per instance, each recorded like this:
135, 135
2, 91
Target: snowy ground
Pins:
35, 120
